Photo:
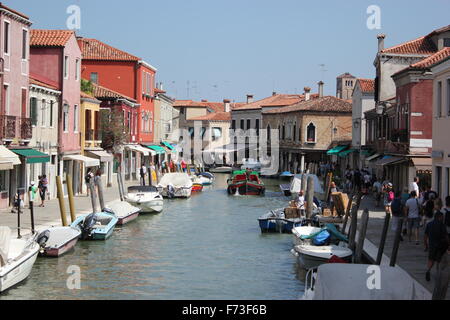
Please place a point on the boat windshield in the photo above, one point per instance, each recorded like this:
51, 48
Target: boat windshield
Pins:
142, 189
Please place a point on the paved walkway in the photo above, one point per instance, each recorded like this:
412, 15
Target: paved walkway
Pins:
50, 214
411, 257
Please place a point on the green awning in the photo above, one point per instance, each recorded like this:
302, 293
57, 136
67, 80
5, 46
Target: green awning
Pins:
367, 153
336, 150
345, 153
157, 149
32, 156
168, 145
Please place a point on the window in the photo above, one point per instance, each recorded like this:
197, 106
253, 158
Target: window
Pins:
311, 133
448, 97
439, 180
66, 118
51, 114
143, 82
94, 77
33, 111
447, 183
6, 38
129, 121
151, 122
248, 124
233, 124
43, 111
24, 44
216, 133
6, 92
447, 42
257, 127
439, 99
242, 124
77, 69
283, 133
295, 132
66, 67
76, 118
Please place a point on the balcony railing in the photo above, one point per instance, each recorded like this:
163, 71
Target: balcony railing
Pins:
26, 129
12, 127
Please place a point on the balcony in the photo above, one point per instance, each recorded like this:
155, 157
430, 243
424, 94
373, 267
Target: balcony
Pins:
93, 138
12, 127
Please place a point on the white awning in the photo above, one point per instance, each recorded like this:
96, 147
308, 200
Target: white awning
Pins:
102, 155
88, 162
144, 151
8, 159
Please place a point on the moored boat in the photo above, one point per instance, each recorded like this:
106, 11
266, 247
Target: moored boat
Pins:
175, 185
123, 211
223, 169
147, 198
245, 183
276, 221
206, 178
17, 257
95, 226
311, 256
56, 241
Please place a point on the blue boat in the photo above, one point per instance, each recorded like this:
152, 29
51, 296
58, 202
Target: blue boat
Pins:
275, 221
95, 226
286, 174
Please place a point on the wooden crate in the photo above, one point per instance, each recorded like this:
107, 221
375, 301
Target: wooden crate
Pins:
292, 213
326, 212
340, 202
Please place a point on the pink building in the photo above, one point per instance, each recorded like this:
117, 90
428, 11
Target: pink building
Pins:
15, 125
55, 58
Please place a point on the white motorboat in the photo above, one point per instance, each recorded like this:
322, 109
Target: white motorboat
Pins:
123, 211
311, 256
251, 164
146, 198
299, 232
56, 241
175, 185
344, 281
296, 185
224, 169
17, 257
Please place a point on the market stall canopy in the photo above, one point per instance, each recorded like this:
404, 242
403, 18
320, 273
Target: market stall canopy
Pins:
345, 153
8, 159
137, 148
32, 155
102, 155
168, 145
88, 162
336, 150
157, 149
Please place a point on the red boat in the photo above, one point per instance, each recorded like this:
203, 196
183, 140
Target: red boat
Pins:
246, 183
197, 187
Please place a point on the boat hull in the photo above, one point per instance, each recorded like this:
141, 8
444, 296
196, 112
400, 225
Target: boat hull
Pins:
247, 189
98, 233
310, 260
57, 252
124, 220
13, 274
279, 225
179, 193
197, 187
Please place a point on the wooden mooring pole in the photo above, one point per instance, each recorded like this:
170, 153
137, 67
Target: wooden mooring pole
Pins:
362, 236
353, 225
62, 206
100, 193
387, 218
347, 212
119, 186
309, 197
93, 196
398, 236
70, 194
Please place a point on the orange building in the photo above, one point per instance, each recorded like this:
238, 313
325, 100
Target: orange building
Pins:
126, 74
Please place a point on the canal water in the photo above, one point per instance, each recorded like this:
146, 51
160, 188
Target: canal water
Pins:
206, 247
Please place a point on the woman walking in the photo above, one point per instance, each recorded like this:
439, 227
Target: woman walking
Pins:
43, 186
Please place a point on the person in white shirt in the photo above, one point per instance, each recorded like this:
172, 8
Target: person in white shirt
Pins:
377, 191
412, 212
301, 202
414, 186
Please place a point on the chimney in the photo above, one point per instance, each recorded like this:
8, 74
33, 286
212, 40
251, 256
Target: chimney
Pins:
320, 83
381, 38
274, 93
161, 86
226, 103
307, 93
249, 98
204, 100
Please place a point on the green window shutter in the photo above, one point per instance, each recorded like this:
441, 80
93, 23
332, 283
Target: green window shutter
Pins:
33, 111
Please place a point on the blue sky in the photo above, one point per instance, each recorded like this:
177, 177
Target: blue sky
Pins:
230, 48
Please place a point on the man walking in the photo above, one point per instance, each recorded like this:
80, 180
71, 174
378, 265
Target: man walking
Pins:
412, 211
414, 186
397, 212
143, 172
436, 241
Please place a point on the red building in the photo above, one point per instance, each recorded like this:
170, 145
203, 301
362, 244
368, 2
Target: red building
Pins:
126, 74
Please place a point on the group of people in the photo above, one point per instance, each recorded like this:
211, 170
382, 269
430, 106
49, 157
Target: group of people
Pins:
41, 188
90, 177
165, 165
421, 210
358, 180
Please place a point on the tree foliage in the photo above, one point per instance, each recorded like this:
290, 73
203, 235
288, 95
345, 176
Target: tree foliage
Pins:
114, 131
86, 86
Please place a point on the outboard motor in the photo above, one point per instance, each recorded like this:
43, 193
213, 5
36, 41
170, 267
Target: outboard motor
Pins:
87, 225
170, 191
42, 238
108, 210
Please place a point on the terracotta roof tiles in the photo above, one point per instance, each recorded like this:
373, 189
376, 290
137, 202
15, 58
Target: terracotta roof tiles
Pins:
214, 116
105, 93
50, 38
367, 85
433, 59
2, 6
36, 82
93, 49
273, 101
324, 104
420, 46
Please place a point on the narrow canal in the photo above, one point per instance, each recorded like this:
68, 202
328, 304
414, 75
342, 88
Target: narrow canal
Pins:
206, 247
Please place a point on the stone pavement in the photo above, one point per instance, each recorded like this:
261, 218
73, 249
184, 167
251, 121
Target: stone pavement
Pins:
50, 214
411, 257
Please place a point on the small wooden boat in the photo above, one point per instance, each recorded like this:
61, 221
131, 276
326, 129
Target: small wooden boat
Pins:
123, 211
246, 183
276, 221
224, 169
301, 234
175, 185
17, 257
95, 226
56, 241
311, 256
147, 198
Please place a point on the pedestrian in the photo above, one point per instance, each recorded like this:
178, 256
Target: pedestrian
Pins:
367, 183
142, 173
333, 189
414, 186
32, 193
357, 180
388, 197
428, 193
183, 165
43, 187
377, 189
436, 242
412, 211
428, 209
152, 172
446, 211
397, 212
88, 179
301, 202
